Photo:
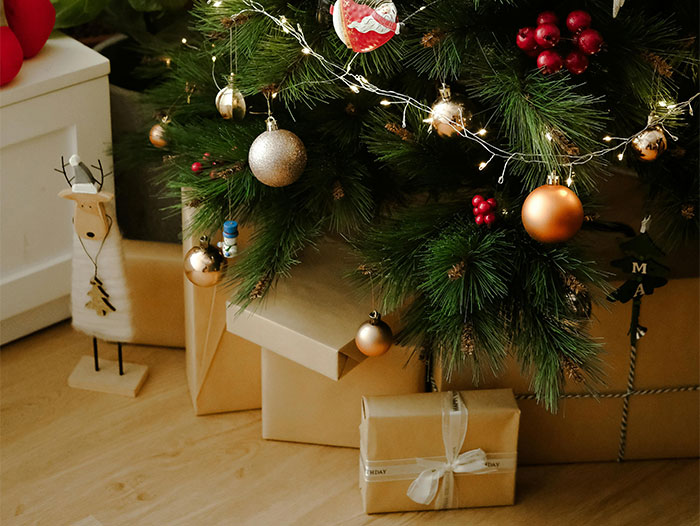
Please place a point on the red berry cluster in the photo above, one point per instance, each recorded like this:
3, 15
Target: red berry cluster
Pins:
484, 210
198, 166
538, 42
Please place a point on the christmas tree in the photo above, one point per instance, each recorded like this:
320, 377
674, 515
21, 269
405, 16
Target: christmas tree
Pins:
420, 142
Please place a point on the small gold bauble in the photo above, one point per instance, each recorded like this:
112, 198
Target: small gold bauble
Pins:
374, 337
157, 136
277, 157
449, 115
552, 213
204, 264
649, 144
230, 102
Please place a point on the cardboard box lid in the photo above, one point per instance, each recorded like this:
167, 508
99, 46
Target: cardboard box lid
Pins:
312, 316
61, 63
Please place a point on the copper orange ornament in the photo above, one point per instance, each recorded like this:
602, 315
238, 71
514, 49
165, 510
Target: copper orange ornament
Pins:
649, 144
552, 213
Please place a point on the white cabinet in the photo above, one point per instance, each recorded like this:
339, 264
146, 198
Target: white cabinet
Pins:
57, 105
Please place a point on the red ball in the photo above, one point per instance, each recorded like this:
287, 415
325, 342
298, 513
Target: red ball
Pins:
484, 207
576, 62
547, 17
196, 166
547, 35
206, 156
490, 218
32, 22
10, 55
525, 39
549, 61
492, 202
479, 220
534, 52
590, 41
578, 21
476, 210
476, 200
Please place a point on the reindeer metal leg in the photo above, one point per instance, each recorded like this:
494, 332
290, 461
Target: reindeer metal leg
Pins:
121, 364
94, 353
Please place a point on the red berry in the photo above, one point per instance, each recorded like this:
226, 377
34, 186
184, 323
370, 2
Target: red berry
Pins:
484, 207
525, 39
577, 21
196, 166
207, 155
547, 17
490, 218
475, 210
492, 202
11, 57
576, 62
534, 52
479, 219
32, 22
476, 200
549, 61
547, 35
590, 41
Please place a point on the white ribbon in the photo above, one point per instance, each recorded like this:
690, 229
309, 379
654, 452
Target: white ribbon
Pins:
424, 488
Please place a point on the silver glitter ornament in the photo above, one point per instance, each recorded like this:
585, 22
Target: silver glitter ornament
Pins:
449, 115
277, 157
230, 102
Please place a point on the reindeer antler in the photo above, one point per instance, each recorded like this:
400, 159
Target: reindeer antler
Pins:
63, 171
102, 174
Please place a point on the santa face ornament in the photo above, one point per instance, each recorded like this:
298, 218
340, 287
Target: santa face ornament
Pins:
365, 27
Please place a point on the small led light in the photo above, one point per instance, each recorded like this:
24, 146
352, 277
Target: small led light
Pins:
482, 165
306, 50
385, 102
213, 58
548, 136
620, 156
662, 103
354, 89
362, 79
217, 3
569, 181
184, 40
481, 132
607, 138
671, 106
274, 95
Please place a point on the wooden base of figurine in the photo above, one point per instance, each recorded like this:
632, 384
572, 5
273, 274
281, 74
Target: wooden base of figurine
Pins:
107, 379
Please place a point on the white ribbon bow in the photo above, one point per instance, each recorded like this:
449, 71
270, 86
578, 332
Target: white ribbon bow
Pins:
424, 488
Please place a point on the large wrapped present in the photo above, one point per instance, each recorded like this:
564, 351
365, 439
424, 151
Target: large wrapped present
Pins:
438, 450
313, 375
661, 417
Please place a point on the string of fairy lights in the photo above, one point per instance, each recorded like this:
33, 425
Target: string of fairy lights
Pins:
355, 83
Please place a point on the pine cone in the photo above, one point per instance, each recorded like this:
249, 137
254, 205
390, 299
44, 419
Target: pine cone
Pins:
661, 65
571, 369
350, 109
338, 191
399, 131
260, 287
432, 38
367, 269
688, 211
457, 271
467, 339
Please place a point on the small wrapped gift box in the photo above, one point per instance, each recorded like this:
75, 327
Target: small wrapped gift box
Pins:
430, 451
313, 375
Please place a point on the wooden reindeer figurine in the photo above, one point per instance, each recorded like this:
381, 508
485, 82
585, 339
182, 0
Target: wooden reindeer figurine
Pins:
99, 278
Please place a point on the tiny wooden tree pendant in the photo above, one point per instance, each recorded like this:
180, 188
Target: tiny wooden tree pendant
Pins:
99, 299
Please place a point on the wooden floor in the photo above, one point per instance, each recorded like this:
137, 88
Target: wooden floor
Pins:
77, 457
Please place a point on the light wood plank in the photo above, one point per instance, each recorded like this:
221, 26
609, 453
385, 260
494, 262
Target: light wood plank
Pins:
70, 455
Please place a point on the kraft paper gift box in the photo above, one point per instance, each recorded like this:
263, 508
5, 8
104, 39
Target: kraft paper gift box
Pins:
444, 450
662, 421
313, 375
223, 370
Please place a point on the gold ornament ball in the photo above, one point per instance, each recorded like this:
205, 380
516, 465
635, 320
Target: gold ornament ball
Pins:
230, 103
449, 115
374, 337
649, 144
552, 213
204, 264
277, 157
157, 136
